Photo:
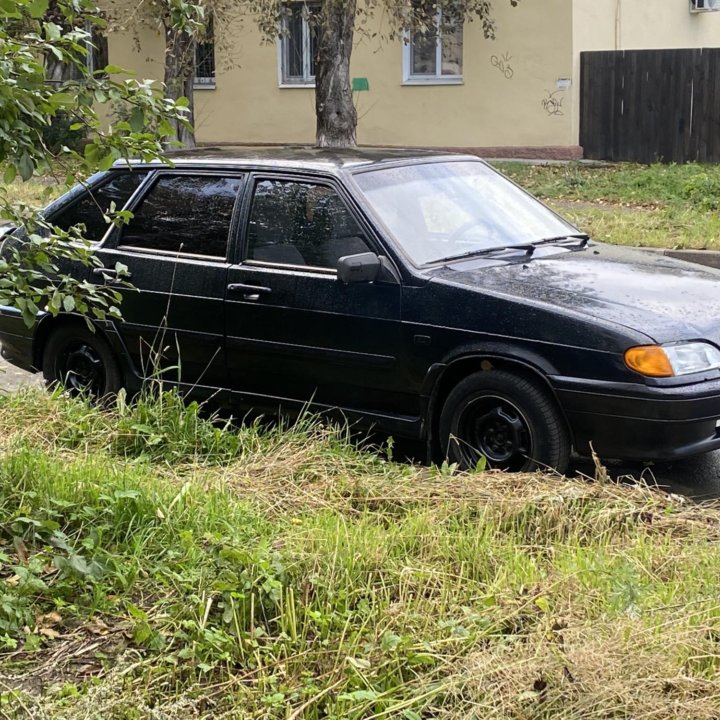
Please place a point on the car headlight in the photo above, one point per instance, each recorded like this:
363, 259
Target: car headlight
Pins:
673, 360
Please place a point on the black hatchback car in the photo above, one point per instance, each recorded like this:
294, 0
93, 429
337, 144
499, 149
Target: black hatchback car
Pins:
424, 295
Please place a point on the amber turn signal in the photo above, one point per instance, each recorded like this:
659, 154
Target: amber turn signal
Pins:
649, 360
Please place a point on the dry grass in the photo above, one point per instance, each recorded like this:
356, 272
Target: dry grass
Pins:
311, 579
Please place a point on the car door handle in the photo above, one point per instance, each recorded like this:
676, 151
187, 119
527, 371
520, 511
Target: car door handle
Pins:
250, 292
109, 272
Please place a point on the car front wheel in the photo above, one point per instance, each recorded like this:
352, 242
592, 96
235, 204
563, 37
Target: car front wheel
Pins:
506, 419
82, 362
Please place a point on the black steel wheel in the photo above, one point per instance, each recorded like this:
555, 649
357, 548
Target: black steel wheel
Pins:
506, 419
82, 362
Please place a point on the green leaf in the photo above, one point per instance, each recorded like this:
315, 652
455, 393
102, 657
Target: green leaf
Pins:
389, 641
113, 69
62, 99
9, 9
106, 162
92, 152
9, 174
69, 303
137, 120
542, 603
37, 8
25, 166
53, 31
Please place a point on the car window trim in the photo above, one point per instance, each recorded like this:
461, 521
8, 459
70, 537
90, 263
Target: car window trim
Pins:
314, 269
327, 180
147, 187
169, 253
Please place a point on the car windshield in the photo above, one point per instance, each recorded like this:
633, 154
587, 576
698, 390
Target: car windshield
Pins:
442, 210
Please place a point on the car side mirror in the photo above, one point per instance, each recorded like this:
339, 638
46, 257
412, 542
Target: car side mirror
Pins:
360, 268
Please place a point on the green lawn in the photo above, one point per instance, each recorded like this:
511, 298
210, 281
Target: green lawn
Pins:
155, 566
651, 206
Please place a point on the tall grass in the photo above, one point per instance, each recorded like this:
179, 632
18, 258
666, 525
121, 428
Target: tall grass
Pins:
155, 563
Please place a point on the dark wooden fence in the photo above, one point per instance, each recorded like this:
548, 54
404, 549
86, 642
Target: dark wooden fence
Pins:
651, 105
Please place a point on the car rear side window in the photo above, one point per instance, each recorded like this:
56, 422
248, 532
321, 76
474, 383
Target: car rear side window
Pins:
184, 214
93, 204
297, 223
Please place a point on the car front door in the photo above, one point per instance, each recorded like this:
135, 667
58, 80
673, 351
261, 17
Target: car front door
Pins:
294, 331
176, 250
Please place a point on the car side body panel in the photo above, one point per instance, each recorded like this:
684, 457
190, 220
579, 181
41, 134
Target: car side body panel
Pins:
385, 354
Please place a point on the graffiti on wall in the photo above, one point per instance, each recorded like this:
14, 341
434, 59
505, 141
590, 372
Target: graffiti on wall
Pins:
502, 63
553, 103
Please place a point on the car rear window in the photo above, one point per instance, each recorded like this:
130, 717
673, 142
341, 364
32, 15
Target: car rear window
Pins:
91, 207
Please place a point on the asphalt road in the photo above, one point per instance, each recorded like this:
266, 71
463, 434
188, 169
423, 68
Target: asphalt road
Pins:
11, 378
697, 477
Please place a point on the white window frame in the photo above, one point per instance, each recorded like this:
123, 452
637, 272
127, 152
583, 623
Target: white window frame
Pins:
308, 80
438, 78
89, 48
205, 82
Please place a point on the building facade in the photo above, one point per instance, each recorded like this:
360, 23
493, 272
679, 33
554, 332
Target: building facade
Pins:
517, 94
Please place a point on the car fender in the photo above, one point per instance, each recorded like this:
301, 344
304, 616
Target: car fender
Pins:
106, 328
531, 363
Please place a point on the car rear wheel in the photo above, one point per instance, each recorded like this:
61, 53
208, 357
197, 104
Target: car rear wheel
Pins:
82, 362
508, 420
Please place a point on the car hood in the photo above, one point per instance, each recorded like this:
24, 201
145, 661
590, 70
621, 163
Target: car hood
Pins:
666, 299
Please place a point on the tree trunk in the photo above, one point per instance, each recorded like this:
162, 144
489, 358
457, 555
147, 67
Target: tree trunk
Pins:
334, 109
179, 76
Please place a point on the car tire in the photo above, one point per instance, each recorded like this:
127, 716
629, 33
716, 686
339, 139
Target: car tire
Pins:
507, 419
82, 362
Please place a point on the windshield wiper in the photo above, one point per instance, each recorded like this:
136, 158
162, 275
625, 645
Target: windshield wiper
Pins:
528, 249
584, 239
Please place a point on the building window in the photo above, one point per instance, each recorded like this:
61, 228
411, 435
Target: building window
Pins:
96, 46
433, 54
297, 44
205, 58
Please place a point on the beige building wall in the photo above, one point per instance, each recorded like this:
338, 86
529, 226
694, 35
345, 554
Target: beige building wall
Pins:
513, 91
636, 25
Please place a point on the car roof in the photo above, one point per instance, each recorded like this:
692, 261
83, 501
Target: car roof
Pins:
299, 157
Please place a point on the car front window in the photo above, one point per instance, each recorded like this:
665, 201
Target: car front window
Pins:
438, 210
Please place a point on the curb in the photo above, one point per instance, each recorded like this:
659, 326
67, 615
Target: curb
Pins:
709, 258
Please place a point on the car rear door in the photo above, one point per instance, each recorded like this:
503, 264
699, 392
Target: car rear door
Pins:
294, 332
176, 251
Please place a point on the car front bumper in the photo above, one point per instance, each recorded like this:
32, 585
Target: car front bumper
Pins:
637, 422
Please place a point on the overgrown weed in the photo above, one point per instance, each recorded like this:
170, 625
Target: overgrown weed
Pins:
155, 563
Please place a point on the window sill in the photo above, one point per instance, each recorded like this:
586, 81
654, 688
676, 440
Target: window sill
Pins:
438, 80
204, 86
301, 86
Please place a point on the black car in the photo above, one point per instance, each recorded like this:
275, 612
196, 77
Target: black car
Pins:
422, 294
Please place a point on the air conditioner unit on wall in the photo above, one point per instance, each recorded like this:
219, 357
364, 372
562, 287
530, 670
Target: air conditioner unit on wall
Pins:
697, 6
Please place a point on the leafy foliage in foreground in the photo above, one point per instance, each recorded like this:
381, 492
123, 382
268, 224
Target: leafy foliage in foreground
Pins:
156, 565
36, 35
